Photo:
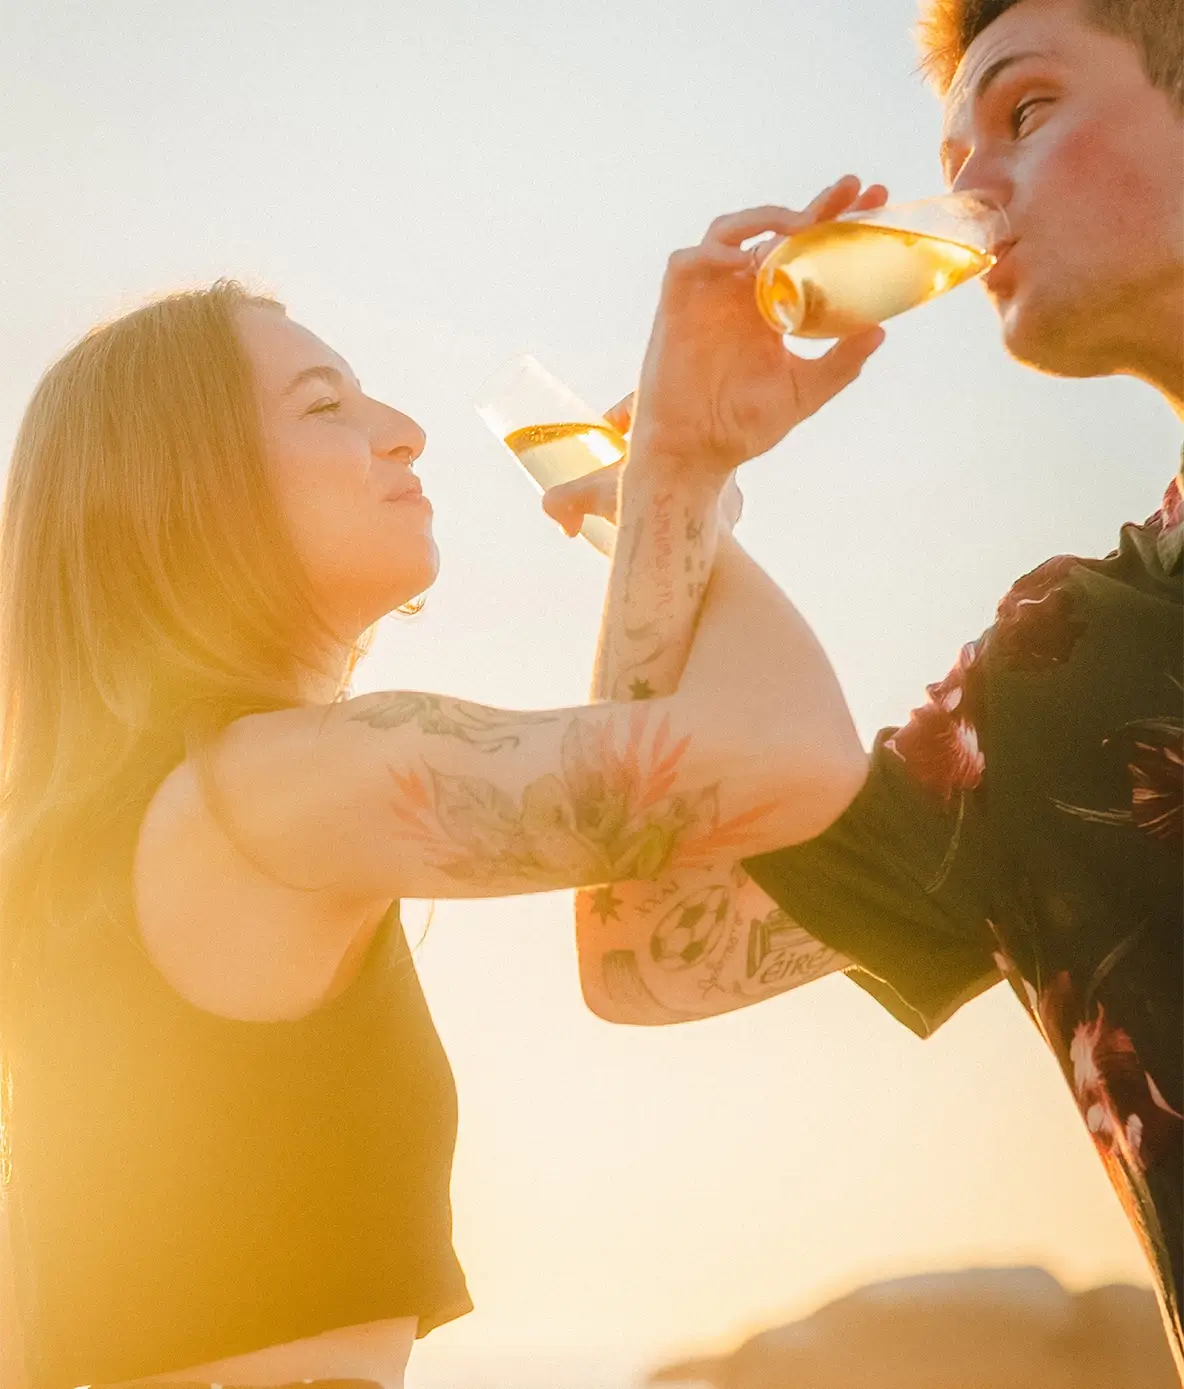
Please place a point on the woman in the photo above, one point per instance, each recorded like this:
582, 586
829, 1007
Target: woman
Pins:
231, 1121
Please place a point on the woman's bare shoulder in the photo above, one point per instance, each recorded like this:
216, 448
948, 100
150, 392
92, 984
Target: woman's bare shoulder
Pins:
232, 930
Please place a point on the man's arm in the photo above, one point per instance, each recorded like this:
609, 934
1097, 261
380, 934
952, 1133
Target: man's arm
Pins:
706, 939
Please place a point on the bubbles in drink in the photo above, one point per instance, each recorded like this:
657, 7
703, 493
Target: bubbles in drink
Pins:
839, 277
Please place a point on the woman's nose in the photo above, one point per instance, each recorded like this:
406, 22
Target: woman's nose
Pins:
398, 433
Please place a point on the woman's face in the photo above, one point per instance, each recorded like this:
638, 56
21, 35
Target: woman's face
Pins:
341, 467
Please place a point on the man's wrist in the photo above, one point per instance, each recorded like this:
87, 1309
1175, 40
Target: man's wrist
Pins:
654, 465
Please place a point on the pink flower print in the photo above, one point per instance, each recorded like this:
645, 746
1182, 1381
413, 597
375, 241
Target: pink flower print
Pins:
1172, 512
1010, 971
939, 744
1171, 509
1124, 1110
1155, 760
1036, 626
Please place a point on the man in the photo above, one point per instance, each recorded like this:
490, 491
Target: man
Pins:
1025, 822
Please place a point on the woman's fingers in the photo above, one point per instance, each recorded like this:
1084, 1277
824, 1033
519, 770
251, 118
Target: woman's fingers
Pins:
621, 414
593, 495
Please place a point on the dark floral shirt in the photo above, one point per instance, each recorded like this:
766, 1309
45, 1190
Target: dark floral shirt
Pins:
1026, 824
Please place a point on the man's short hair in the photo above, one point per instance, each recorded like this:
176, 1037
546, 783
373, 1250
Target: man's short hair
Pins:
1155, 27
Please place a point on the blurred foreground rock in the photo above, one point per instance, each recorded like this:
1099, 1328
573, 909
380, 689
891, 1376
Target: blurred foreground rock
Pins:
1008, 1328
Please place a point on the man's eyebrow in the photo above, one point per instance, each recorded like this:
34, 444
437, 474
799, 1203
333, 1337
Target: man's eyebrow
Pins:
318, 373
995, 69
985, 79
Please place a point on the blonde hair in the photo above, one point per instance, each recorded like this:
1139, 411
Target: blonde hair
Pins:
149, 596
1155, 27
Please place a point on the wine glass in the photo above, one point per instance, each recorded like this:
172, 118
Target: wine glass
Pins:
856, 270
553, 434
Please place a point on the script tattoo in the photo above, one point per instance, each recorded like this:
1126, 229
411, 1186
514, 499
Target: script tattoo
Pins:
609, 812
491, 730
663, 548
622, 655
779, 950
633, 650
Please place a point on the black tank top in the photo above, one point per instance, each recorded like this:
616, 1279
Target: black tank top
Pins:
187, 1187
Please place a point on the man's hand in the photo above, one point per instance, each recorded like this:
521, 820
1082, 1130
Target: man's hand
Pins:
718, 386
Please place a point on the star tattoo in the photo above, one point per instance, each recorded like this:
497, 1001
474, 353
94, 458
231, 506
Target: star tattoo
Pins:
641, 689
605, 903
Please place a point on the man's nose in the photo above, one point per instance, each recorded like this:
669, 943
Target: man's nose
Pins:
983, 172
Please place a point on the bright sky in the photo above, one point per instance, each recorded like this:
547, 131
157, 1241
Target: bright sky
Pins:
433, 188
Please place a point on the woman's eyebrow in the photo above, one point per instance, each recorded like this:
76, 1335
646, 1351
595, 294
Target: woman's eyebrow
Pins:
329, 374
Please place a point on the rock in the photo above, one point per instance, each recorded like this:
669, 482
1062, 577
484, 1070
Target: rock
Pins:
1008, 1328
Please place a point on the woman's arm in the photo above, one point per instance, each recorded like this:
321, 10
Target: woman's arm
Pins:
408, 794
420, 795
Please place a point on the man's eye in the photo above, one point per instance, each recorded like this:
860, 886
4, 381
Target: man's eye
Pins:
1021, 111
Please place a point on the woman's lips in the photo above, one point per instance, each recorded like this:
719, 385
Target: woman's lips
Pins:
412, 492
410, 498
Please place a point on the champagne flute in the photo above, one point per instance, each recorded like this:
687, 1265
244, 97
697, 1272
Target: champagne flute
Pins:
551, 432
856, 270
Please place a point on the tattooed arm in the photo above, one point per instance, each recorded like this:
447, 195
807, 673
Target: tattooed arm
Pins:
689, 945
421, 795
703, 939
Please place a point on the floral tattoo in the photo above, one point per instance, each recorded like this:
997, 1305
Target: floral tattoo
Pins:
609, 814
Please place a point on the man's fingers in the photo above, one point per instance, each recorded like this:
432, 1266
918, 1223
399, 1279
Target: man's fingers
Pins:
715, 256
731, 503
843, 363
874, 195
734, 228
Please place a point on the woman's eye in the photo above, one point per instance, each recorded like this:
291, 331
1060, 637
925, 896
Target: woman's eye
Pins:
324, 407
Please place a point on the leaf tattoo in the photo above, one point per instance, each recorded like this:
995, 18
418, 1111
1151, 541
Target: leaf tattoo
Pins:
475, 724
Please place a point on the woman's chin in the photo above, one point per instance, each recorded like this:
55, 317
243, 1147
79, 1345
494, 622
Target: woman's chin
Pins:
414, 582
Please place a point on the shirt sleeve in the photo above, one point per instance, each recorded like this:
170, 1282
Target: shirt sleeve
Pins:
899, 884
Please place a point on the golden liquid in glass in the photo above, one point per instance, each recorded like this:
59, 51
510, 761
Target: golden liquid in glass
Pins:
555, 453
840, 277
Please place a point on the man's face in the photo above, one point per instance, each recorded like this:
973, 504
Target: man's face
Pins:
1060, 122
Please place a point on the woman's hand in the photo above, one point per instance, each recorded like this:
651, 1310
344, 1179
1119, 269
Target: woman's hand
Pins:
597, 493
718, 386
